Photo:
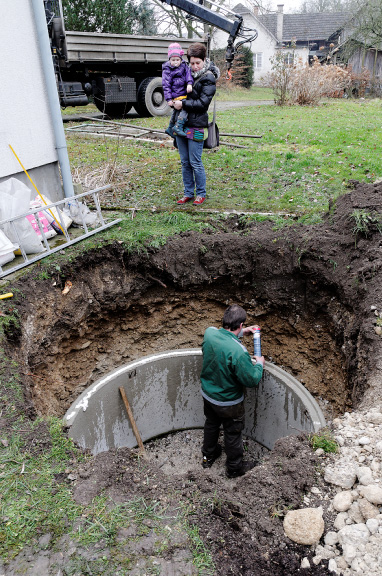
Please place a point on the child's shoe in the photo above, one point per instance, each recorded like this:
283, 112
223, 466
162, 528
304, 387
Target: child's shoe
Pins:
179, 128
170, 130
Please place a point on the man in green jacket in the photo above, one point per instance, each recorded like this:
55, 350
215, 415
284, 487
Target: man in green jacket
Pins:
227, 369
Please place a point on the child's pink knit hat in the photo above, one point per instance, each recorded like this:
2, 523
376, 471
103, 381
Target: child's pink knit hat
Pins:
175, 50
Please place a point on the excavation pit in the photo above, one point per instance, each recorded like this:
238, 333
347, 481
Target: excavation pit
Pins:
164, 393
314, 290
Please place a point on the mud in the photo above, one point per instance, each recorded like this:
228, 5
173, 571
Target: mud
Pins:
311, 288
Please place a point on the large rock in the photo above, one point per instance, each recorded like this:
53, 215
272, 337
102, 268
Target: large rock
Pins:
304, 526
367, 510
372, 493
351, 538
342, 501
344, 475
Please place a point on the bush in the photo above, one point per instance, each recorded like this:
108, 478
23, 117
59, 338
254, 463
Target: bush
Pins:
310, 83
242, 67
302, 83
279, 79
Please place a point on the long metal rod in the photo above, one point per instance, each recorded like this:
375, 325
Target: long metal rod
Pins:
51, 90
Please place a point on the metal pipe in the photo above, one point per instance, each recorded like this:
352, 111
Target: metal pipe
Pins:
54, 104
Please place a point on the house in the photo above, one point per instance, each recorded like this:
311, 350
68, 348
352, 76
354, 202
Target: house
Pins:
26, 109
305, 35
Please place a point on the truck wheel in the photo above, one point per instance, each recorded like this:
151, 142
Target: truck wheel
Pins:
113, 109
150, 98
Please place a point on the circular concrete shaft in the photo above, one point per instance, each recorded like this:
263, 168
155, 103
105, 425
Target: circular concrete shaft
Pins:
163, 391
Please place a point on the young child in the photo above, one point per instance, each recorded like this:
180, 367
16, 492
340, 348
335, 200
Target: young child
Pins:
177, 82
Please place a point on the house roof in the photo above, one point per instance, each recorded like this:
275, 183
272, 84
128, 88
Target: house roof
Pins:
313, 26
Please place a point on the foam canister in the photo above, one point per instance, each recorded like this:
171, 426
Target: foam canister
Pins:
257, 342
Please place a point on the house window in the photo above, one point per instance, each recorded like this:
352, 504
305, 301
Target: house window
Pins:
257, 59
288, 58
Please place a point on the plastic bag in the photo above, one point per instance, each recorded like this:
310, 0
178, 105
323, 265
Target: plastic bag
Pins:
53, 214
14, 200
47, 228
80, 213
6, 249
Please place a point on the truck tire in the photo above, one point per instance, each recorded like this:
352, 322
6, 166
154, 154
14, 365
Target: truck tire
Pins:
113, 109
150, 98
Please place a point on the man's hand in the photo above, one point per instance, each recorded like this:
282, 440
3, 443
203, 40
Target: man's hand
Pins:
170, 103
177, 104
189, 88
260, 359
250, 329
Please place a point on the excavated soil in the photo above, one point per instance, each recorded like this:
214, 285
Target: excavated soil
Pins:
313, 290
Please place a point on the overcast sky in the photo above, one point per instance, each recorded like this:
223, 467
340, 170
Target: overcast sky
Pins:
290, 6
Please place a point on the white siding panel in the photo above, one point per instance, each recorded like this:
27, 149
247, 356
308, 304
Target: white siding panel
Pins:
24, 113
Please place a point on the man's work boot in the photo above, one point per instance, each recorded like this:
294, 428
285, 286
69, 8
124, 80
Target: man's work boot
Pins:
207, 462
179, 128
245, 467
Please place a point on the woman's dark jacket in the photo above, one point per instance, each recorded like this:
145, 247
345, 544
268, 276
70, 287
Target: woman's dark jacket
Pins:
199, 99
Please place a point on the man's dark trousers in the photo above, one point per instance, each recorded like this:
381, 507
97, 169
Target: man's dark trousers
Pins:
232, 419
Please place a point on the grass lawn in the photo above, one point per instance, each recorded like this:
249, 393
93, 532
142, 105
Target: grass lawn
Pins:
306, 157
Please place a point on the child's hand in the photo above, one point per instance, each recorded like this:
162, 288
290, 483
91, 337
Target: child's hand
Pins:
189, 88
170, 103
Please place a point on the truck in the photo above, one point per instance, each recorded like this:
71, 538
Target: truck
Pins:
119, 71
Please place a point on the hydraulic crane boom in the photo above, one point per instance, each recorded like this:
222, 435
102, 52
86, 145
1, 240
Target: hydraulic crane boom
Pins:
233, 27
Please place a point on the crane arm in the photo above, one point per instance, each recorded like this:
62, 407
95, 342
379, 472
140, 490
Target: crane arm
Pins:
234, 27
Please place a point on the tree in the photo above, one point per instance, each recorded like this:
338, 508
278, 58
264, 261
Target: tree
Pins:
324, 6
112, 16
367, 25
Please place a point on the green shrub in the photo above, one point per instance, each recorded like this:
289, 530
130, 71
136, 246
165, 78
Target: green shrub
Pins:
323, 439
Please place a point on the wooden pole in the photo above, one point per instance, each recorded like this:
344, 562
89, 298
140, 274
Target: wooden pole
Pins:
132, 422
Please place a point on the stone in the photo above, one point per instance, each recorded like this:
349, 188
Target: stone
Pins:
365, 475
343, 476
372, 493
332, 566
331, 538
355, 514
349, 552
367, 509
342, 501
305, 563
304, 526
341, 563
352, 539
320, 452
340, 521
372, 525
324, 553
364, 440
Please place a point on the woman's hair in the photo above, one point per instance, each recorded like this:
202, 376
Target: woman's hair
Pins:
197, 50
233, 317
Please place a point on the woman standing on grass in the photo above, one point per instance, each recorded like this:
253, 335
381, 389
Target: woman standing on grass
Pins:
190, 148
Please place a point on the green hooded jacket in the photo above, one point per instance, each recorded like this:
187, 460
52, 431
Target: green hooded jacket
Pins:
227, 368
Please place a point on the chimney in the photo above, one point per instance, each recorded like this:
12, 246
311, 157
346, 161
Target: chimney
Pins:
256, 10
280, 22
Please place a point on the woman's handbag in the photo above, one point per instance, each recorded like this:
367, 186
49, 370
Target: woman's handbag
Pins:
212, 140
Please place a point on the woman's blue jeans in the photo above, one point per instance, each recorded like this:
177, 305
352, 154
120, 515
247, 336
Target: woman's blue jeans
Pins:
193, 173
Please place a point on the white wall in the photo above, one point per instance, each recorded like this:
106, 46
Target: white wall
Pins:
24, 114
265, 44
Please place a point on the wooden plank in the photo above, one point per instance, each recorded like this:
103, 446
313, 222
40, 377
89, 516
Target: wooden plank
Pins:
132, 422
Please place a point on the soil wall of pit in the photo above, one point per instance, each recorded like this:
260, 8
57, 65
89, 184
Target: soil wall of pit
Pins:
312, 289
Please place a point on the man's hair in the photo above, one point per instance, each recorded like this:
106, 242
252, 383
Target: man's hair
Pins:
197, 50
233, 317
